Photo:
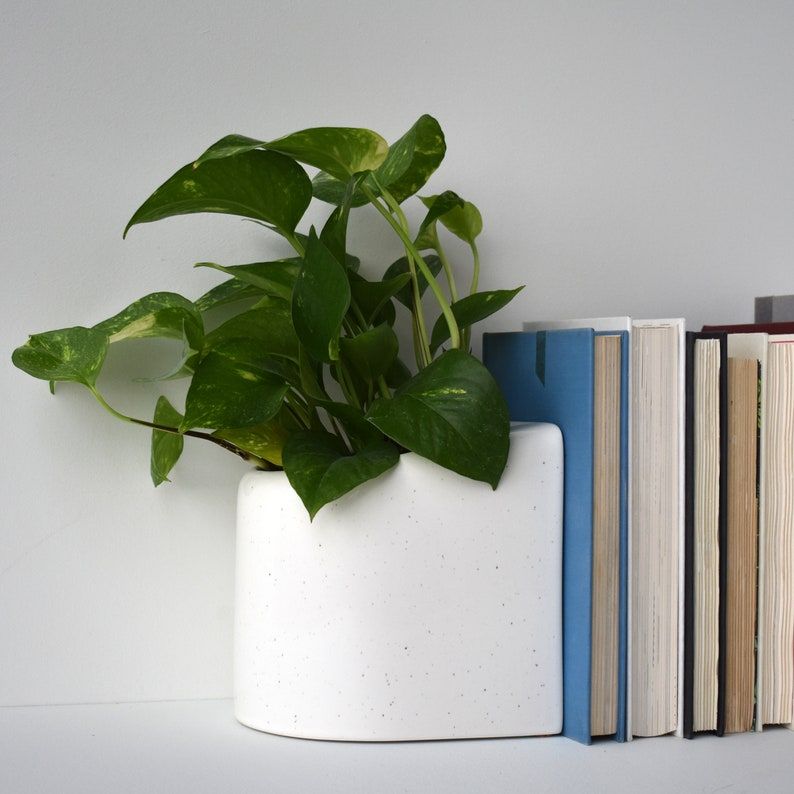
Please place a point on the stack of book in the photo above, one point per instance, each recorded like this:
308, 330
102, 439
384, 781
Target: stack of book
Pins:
678, 560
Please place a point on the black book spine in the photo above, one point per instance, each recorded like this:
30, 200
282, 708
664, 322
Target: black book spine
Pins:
689, 540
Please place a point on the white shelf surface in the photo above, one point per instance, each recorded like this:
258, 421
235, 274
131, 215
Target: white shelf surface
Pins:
197, 746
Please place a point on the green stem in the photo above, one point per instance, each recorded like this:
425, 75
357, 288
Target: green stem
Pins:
453, 290
383, 387
300, 413
227, 445
295, 243
476, 274
446, 310
421, 337
435, 287
344, 384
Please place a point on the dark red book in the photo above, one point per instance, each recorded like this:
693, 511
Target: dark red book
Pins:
751, 328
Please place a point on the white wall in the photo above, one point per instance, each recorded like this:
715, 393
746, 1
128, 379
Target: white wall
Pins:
628, 158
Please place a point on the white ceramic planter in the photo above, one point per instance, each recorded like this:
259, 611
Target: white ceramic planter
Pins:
422, 605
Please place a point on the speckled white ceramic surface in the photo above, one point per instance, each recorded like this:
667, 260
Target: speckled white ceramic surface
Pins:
420, 606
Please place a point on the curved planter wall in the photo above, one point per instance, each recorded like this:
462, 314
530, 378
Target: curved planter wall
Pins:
422, 605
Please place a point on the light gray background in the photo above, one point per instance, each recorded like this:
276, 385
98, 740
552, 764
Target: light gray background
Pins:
628, 158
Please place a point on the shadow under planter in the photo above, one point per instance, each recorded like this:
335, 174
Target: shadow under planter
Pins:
422, 605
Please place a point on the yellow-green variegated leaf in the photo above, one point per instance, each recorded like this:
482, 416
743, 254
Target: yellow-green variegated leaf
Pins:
265, 440
406, 168
68, 354
413, 158
339, 151
161, 314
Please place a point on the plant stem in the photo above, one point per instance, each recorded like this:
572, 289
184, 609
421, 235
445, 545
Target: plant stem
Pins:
383, 387
421, 338
453, 290
296, 244
227, 445
454, 331
476, 274
301, 413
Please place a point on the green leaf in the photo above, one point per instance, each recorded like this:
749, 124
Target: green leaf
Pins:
311, 376
321, 470
226, 393
405, 295
372, 296
225, 293
229, 146
320, 301
273, 278
407, 167
398, 374
265, 186
161, 314
334, 233
413, 158
464, 222
362, 434
439, 206
269, 328
265, 440
252, 352
332, 190
372, 352
452, 413
339, 151
69, 354
166, 447
470, 310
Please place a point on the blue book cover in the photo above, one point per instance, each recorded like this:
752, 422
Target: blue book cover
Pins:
547, 376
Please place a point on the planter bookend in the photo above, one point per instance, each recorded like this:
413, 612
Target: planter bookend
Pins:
402, 612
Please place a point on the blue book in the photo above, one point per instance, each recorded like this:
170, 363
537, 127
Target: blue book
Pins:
548, 376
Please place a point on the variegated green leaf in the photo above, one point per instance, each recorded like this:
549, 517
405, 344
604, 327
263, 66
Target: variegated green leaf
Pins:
68, 354
270, 329
161, 314
408, 165
453, 413
226, 393
265, 186
265, 440
225, 293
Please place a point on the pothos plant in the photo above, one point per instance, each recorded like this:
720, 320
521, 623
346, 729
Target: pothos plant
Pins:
307, 374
